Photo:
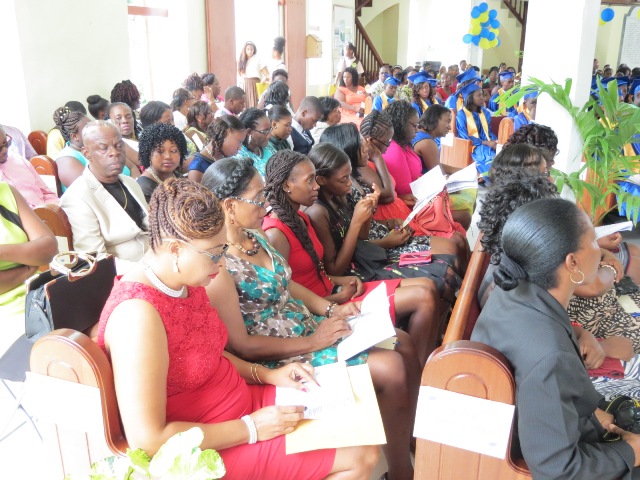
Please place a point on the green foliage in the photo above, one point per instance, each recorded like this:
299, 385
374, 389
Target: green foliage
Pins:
180, 458
606, 126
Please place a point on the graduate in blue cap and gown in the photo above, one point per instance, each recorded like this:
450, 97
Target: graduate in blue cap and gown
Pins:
424, 92
388, 95
456, 100
506, 82
472, 122
623, 85
634, 91
527, 111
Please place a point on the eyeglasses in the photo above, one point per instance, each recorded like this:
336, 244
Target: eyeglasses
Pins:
263, 132
7, 143
386, 144
413, 125
215, 258
252, 202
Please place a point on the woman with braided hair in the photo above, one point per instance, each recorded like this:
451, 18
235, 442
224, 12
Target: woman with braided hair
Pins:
55, 140
274, 320
225, 135
192, 381
127, 92
290, 184
70, 161
256, 144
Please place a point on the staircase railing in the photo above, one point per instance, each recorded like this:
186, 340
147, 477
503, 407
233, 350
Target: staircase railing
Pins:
366, 52
519, 9
360, 4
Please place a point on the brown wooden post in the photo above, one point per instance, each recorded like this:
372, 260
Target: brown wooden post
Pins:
221, 41
295, 31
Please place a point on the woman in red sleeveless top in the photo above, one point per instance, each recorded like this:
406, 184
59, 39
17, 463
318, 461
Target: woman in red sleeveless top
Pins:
166, 346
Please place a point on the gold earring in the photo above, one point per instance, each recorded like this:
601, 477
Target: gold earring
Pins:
573, 281
175, 264
231, 221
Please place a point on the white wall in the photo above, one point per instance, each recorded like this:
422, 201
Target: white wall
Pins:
510, 31
382, 32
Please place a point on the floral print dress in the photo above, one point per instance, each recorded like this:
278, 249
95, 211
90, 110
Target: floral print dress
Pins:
269, 309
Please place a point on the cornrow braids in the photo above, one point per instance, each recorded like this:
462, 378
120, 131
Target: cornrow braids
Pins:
126, 92
249, 119
154, 136
183, 209
375, 125
399, 116
229, 177
67, 121
220, 128
278, 171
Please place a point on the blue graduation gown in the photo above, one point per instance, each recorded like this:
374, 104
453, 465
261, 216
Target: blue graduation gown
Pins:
482, 155
377, 102
520, 120
494, 106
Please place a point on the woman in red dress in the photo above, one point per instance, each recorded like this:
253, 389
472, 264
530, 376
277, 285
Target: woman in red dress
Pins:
166, 346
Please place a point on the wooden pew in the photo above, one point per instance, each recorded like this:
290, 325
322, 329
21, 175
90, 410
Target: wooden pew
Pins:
38, 140
505, 130
47, 168
469, 368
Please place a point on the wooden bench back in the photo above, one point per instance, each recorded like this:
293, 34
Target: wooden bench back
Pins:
47, 168
53, 216
38, 140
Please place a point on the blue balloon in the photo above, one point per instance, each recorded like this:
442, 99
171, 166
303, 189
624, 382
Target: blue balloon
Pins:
493, 14
476, 40
486, 24
467, 38
484, 33
495, 23
475, 12
607, 14
483, 7
499, 42
491, 36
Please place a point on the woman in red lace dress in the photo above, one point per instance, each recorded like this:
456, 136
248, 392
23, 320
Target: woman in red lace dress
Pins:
166, 346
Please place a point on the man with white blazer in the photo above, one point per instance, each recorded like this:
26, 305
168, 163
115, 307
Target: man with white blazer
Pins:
107, 210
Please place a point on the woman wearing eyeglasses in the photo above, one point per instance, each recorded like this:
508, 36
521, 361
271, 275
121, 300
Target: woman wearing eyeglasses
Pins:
256, 144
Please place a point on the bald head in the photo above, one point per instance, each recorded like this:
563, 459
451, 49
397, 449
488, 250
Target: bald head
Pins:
104, 149
97, 128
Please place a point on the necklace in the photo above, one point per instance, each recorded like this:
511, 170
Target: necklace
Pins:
153, 174
126, 199
256, 245
153, 278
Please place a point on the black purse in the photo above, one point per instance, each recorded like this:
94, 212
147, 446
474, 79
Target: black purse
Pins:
71, 294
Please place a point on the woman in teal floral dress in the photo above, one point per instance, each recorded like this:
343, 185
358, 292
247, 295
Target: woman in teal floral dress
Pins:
274, 320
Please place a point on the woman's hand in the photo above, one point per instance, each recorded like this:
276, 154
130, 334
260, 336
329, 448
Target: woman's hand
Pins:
409, 199
395, 238
362, 212
590, 349
330, 331
374, 152
604, 418
490, 143
352, 285
608, 258
274, 421
631, 438
294, 375
347, 310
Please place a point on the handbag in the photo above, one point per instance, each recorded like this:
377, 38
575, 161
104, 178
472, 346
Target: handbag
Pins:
71, 294
435, 218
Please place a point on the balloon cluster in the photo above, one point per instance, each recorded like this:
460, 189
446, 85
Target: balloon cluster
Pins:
483, 31
606, 15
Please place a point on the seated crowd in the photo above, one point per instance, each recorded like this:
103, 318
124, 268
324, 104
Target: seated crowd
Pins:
300, 213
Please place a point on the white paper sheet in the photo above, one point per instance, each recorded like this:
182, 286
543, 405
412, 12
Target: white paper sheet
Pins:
616, 227
465, 178
425, 189
486, 430
371, 327
334, 392
447, 140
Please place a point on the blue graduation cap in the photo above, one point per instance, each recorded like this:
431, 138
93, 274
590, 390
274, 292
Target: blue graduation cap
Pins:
470, 74
530, 96
468, 89
621, 80
420, 77
393, 82
506, 75
635, 86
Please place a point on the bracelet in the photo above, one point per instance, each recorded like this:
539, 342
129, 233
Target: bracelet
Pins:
615, 272
253, 431
329, 311
254, 374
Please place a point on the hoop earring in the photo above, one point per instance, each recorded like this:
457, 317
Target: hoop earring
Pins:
573, 281
175, 264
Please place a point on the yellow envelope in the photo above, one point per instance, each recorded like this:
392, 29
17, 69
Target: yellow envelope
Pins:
360, 424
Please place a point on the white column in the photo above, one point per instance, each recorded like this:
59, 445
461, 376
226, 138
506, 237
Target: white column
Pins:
560, 43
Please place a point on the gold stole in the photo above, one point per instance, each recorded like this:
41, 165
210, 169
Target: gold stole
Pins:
628, 150
385, 102
459, 103
472, 128
424, 105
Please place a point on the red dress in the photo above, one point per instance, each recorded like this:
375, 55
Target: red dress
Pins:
204, 387
303, 270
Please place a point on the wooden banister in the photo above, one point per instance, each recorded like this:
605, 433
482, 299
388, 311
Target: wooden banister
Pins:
519, 9
366, 52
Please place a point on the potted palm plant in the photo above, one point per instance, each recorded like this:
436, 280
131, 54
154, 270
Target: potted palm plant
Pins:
606, 126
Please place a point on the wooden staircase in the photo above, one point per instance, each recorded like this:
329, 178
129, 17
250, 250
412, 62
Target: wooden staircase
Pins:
365, 50
519, 9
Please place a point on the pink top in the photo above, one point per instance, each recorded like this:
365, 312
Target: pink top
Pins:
18, 172
404, 166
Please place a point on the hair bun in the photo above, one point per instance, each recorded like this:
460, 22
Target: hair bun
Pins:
93, 99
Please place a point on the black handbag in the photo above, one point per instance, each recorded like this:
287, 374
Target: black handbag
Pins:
71, 294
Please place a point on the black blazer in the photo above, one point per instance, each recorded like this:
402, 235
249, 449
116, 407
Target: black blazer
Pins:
559, 435
300, 143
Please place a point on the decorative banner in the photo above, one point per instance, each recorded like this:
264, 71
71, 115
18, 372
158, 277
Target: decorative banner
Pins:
484, 27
